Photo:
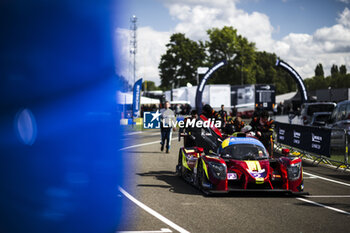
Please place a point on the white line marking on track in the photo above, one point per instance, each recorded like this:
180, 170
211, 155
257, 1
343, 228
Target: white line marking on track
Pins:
328, 196
143, 144
324, 206
327, 179
161, 230
152, 212
132, 133
152, 134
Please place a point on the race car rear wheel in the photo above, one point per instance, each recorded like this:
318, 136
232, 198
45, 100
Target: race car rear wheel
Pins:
179, 165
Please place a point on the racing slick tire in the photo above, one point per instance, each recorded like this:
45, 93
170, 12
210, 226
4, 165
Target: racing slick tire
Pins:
179, 165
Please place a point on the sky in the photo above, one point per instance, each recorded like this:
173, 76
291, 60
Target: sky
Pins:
301, 32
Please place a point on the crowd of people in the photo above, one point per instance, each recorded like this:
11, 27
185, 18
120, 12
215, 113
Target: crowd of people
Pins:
179, 109
260, 125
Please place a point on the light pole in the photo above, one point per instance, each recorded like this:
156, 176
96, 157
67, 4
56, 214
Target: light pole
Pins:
133, 43
330, 93
241, 71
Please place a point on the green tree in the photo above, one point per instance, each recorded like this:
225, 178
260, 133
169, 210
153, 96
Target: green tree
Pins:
334, 70
319, 70
226, 44
178, 66
149, 86
342, 70
268, 73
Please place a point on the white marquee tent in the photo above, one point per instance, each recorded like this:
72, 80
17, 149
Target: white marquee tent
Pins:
126, 98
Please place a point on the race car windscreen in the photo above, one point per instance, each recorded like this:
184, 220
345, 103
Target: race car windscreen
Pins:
244, 152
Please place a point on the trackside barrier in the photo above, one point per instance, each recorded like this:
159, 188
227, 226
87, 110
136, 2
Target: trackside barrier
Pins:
328, 146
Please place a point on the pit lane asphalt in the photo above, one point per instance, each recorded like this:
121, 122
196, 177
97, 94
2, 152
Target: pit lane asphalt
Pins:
151, 180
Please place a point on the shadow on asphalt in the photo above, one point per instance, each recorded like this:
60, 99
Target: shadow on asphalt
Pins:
307, 164
175, 183
178, 185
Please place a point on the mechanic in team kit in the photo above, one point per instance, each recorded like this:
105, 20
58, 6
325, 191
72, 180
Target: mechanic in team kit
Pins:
209, 112
222, 113
167, 117
238, 124
263, 126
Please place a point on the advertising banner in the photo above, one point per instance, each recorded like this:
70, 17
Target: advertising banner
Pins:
265, 96
312, 139
136, 100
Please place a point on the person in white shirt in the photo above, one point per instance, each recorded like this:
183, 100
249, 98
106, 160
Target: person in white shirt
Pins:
166, 127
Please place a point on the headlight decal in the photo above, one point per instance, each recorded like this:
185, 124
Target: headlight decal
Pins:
218, 170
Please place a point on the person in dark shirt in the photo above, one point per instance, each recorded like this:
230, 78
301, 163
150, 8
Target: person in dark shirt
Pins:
209, 112
263, 126
223, 113
262, 123
238, 124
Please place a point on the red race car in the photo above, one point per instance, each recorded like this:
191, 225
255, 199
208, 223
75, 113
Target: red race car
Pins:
241, 163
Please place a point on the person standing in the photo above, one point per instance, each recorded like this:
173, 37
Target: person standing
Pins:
223, 113
167, 118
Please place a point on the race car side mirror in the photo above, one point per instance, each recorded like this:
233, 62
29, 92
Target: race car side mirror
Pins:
285, 152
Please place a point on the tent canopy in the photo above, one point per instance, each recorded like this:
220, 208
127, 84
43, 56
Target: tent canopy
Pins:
283, 97
126, 98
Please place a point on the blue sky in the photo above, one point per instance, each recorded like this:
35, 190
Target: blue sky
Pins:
298, 16
303, 33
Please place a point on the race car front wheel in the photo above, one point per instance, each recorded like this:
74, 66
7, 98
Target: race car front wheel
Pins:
202, 180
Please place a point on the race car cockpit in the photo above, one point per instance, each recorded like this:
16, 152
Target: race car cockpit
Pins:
243, 152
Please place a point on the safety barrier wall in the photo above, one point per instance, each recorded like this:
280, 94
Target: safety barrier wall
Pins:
318, 143
307, 138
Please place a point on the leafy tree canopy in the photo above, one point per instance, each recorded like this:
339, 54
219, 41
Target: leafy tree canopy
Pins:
149, 86
178, 66
245, 65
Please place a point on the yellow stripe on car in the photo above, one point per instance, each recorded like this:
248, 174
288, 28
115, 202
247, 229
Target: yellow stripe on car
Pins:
253, 165
225, 143
184, 161
205, 169
259, 180
189, 151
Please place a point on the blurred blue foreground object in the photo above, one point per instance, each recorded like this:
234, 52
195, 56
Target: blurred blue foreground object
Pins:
59, 162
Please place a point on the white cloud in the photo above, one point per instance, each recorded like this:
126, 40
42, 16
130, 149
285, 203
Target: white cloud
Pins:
150, 47
344, 1
328, 45
344, 17
196, 19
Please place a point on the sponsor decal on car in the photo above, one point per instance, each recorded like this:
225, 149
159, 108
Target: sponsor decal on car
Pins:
231, 176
